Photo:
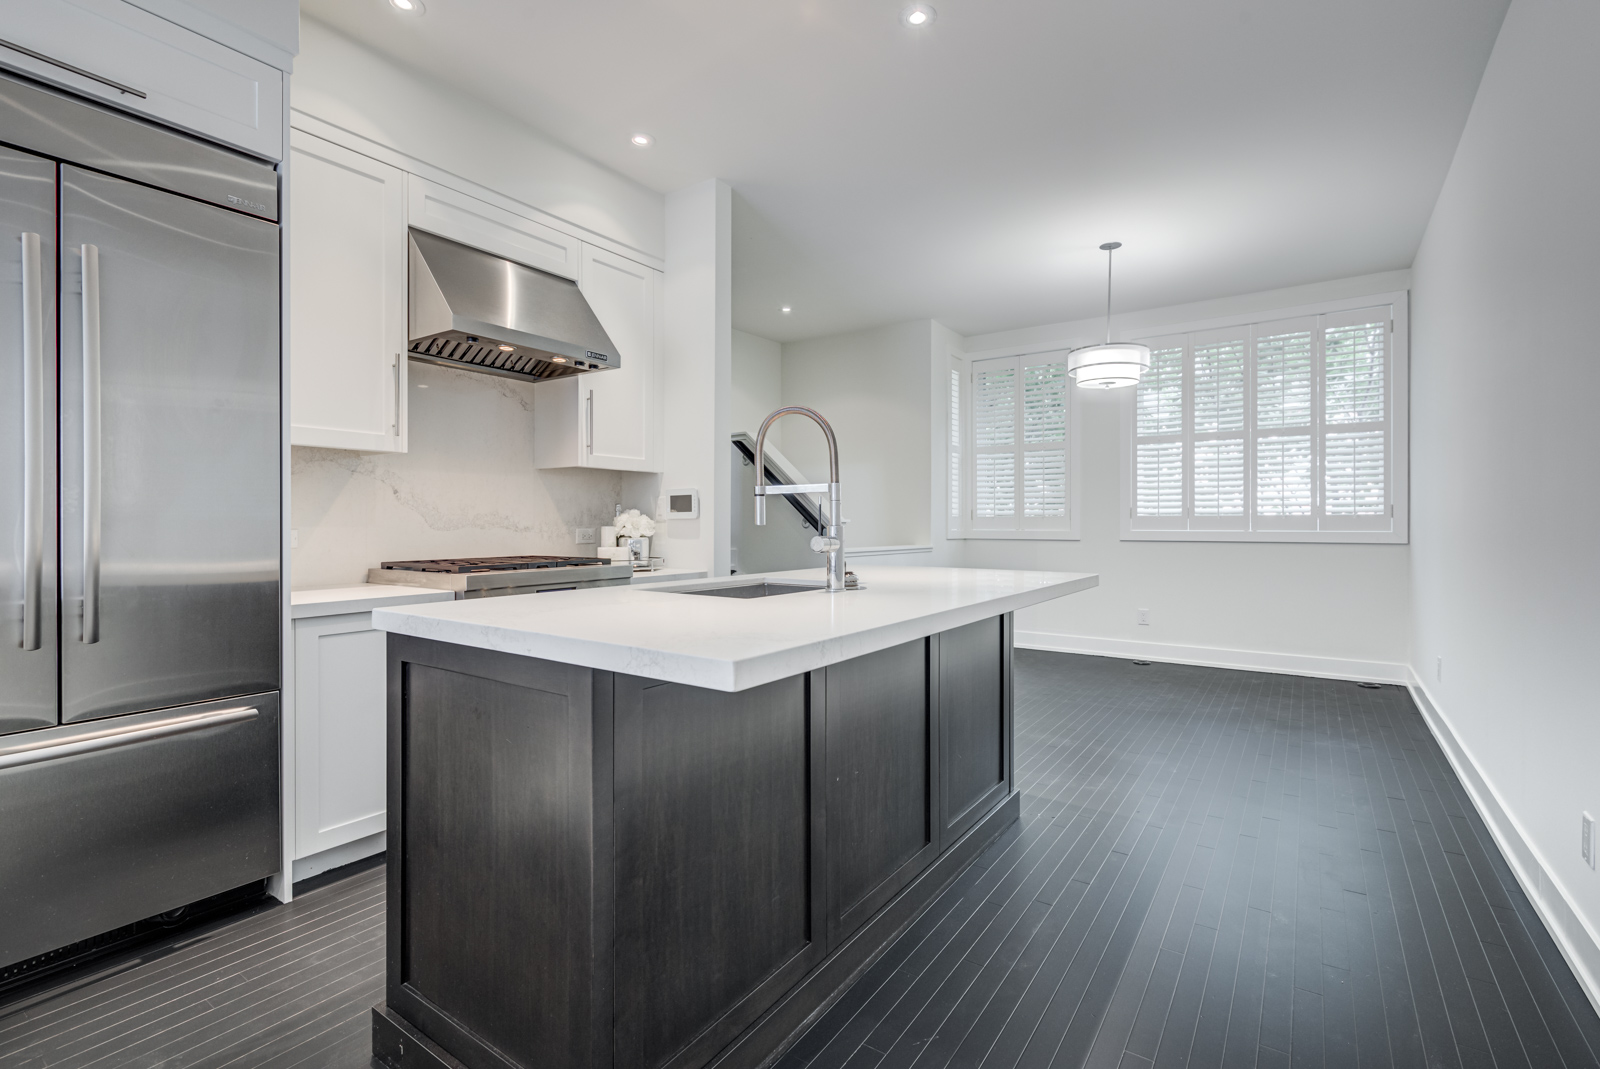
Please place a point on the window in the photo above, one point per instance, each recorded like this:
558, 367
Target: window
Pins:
1290, 429
1010, 448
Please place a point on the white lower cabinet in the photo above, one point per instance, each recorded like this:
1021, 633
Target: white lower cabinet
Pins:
347, 298
607, 419
340, 726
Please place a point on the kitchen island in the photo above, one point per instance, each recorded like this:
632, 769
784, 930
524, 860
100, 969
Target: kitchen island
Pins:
664, 827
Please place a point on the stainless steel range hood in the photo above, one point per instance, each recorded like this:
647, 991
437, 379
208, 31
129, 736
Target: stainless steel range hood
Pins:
471, 309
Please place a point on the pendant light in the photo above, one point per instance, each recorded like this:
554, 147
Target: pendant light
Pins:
1112, 364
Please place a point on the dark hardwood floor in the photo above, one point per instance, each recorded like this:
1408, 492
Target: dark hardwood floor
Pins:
1213, 869
1219, 868
284, 986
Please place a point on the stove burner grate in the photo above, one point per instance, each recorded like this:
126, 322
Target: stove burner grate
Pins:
463, 565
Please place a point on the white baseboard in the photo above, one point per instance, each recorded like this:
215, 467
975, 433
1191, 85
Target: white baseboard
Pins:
1578, 943
1292, 664
332, 858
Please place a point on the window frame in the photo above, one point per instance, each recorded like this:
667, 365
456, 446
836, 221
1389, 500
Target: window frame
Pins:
960, 451
1253, 528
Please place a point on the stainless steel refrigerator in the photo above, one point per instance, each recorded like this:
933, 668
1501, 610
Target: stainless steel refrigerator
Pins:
139, 520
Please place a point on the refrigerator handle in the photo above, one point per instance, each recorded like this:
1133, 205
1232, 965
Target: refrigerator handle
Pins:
33, 753
32, 442
91, 444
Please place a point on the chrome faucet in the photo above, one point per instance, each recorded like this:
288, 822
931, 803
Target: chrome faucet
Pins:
831, 541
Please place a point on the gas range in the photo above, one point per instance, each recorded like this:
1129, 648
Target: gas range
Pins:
487, 577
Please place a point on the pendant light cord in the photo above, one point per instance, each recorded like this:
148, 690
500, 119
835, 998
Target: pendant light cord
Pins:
1109, 254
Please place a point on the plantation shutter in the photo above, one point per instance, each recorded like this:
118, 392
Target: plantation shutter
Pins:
1285, 381
1046, 416
1158, 464
953, 472
1281, 426
994, 443
1217, 419
1020, 416
1356, 440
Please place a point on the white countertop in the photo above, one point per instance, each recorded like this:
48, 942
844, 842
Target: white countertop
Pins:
731, 644
333, 600
666, 575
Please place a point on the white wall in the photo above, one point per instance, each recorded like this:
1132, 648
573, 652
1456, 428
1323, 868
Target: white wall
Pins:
757, 385
339, 82
1339, 610
873, 388
697, 370
468, 487
1506, 504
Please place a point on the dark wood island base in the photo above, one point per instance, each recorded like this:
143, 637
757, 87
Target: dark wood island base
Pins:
590, 870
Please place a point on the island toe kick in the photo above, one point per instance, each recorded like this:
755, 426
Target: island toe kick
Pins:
589, 870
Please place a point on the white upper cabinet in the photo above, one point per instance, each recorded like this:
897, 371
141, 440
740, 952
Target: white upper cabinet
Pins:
128, 57
607, 419
347, 298
459, 217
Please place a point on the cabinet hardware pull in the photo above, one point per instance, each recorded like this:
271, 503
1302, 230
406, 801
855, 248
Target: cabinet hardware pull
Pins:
91, 444
588, 422
36, 752
394, 427
42, 58
32, 442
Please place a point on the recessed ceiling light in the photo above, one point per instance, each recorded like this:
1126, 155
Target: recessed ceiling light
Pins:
787, 309
642, 140
919, 15
410, 7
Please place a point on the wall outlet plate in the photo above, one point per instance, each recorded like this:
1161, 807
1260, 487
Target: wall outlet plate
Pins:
584, 536
1142, 617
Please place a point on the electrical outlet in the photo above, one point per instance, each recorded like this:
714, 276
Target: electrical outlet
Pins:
1588, 840
1142, 616
585, 536
294, 538
1438, 670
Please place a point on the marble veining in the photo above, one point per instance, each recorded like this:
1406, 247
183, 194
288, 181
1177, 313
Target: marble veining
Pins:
467, 486
731, 644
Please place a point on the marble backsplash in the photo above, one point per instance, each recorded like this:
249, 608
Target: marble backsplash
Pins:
467, 487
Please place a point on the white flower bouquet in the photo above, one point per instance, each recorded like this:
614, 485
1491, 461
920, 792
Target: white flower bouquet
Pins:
635, 524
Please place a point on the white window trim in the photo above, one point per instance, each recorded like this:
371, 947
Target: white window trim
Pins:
957, 528
1400, 463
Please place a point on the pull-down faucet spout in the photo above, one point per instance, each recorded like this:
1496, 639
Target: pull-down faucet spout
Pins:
831, 542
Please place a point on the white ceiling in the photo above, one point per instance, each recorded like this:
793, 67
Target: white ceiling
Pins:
968, 170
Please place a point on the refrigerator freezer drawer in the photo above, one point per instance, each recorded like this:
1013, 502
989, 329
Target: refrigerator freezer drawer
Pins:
117, 820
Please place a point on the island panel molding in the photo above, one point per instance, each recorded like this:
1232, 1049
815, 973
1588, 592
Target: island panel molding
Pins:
881, 759
599, 871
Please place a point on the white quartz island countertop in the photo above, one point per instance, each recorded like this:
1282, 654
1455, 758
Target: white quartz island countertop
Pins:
724, 643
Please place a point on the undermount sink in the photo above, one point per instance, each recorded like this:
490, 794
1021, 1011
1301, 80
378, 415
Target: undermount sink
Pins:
759, 589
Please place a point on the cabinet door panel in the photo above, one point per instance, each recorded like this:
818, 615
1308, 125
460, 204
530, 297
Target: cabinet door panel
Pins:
974, 721
187, 80
881, 828
713, 847
339, 732
347, 298
460, 217
619, 406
